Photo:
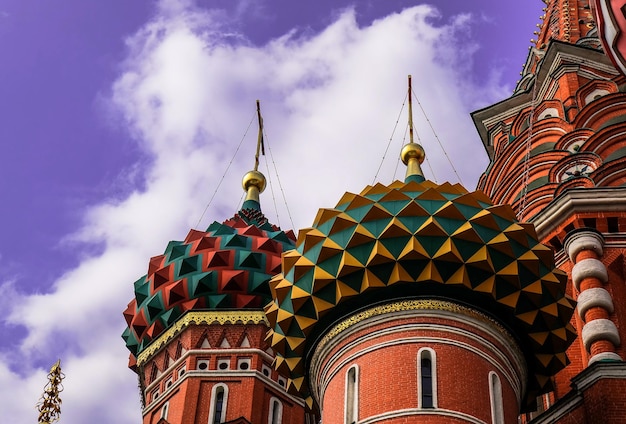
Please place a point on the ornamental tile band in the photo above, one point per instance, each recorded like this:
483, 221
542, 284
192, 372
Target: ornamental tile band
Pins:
201, 318
410, 305
420, 238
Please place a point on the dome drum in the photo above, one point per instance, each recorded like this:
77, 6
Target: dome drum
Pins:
386, 342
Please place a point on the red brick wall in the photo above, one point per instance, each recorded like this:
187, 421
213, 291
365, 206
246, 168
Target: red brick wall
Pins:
388, 374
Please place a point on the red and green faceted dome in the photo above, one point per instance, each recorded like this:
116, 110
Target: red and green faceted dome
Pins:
419, 239
228, 266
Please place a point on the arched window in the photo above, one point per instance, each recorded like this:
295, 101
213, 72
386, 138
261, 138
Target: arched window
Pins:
352, 395
495, 397
165, 410
276, 412
219, 399
427, 378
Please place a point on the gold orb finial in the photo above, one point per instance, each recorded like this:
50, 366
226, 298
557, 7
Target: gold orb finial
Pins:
412, 150
253, 183
412, 156
253, 179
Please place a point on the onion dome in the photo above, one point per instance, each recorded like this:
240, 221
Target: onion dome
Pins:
418, 239
228, 266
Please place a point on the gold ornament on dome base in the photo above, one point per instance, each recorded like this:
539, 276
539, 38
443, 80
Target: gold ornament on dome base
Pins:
201, 318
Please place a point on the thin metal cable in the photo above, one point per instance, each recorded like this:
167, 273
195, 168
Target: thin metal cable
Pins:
226, 171
523, 204
390, 139
269, 180
437, 138
280, 185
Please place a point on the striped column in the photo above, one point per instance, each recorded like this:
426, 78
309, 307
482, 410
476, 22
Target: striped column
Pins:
599, 334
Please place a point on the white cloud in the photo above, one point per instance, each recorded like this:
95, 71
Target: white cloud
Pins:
187, 91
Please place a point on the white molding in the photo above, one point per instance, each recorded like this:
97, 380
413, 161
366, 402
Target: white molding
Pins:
597, 199
354, 402
423, 412
605, 356
271, 419
495, 398
589, 268
594, 297
583, 240
599, 329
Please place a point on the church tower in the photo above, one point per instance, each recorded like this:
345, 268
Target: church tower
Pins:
196, 327
558, 156
417, 302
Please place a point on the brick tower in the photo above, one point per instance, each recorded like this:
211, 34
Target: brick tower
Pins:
558, 156
196, 327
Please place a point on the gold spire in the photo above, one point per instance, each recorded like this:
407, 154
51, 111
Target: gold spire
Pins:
412, 154
254, 181
49, 405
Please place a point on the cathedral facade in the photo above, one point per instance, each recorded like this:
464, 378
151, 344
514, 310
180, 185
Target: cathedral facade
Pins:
417, 302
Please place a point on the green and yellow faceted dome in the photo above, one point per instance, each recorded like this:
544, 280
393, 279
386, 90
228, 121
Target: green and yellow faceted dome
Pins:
418, 239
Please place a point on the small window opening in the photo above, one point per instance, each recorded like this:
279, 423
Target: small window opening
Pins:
427, 383
613, 224
589, 222
556, 243
427, 378
218, 404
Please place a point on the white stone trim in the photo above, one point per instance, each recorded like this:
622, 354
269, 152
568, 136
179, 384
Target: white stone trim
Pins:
592, 298
495, 398
351, 403
599, 329
384, 417
589, 268
164, 410
271, 417
605, 356
583, 240
597, 199
215, 375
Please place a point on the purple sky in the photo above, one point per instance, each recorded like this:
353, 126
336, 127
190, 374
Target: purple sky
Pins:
77, 151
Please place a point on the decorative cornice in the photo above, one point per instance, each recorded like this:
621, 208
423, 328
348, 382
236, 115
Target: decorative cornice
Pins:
245, 317
410, 305
605, 199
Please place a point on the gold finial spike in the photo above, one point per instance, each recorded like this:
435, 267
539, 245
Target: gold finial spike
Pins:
410, 111
260, 146
254, 181
49, 404
412, 154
